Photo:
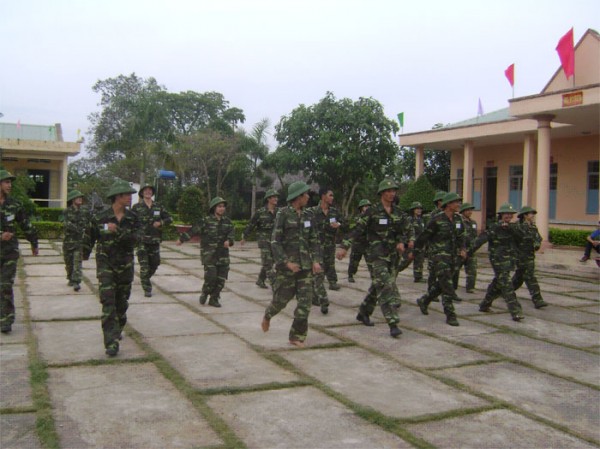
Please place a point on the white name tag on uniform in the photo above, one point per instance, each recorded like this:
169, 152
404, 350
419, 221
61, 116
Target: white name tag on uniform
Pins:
474, 226
156, 213
307, 224
383, 221
10, 218
457, 225
332, 220
106, 226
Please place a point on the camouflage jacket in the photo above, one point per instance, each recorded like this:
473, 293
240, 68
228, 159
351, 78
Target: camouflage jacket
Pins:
471, 230
418, 224
295, 239
213, 235
360, 242
326, 233
11, 214
382, 231
263, 221
444, 237
76, 221
502, 244
147, 216
114, 248
529, 241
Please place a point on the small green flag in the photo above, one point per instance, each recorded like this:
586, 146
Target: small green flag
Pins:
401, 119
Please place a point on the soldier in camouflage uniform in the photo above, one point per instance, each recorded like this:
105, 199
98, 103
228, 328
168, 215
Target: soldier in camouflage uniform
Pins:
263, 221
445, 237
418, 223
437, 201
115, 232
297, 256
327, 221
529, 242
217, 235
11, 214
386, 229
470, 263
76, 219
152, 217
502, 247
359, 247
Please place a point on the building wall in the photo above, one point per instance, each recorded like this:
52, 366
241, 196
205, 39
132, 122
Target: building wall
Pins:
20, 167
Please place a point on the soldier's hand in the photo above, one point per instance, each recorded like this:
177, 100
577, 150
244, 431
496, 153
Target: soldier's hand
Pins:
335, 225
400, 247
157, 224
341, 253
111, 227
7, 236
316, 268
410, 256
226, 244
463, 253
411, 244
293, 267
35, 251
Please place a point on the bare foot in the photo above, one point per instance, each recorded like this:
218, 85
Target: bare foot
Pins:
297, 343
265, 324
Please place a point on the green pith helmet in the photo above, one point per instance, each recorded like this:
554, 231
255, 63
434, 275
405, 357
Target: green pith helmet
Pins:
526, 210
450, 197
74, 194
387, 184
145, 186
466, 206
416, 205
270, 193
507, 208
215, 201
296, 189
439, 196
119, 187
4, 174
362, 203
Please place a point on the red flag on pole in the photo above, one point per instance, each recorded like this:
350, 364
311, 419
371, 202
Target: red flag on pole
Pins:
510, 74
566, 53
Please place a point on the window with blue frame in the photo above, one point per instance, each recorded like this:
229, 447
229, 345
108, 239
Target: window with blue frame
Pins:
592, 187
515, 182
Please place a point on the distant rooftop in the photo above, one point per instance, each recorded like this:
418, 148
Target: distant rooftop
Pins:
31, 132
491, 117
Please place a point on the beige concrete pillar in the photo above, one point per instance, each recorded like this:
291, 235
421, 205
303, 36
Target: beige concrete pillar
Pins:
542, 192
528, 170
468, 171
64, 182
419, 161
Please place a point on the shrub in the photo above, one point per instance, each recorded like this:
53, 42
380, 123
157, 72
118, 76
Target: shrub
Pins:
48, 213
51, 230
191, 205
422, 191
568, 237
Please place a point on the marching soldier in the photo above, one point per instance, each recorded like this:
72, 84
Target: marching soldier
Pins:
359, 247
152, 217
470, 263
115, 232
418, 223
217, 235
297, 256
76, 218
263, 221
12, 213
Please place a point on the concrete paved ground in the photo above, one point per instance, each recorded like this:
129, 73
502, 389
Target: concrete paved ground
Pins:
194, 376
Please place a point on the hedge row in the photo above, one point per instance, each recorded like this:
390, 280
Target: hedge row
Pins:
568, 237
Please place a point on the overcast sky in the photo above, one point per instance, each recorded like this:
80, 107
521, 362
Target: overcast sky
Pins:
431, 60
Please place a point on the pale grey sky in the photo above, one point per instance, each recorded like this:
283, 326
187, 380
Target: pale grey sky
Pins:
431, 60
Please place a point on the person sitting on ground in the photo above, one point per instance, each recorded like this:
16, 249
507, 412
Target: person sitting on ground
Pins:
592, 241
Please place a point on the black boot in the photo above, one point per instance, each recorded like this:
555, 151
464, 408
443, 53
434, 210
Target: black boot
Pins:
364, 319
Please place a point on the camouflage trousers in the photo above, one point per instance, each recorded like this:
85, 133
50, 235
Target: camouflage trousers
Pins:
8, 272
319, 296
501, 285
148, 255
329, 262
287, 285
73, 262
526, 273
443, 273
214, 280
115, 288
356, 254
266, 262
417, 262
383, 289
470, 270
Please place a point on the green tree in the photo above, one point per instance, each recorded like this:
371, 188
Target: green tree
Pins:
255, 146
339, 143
436, 166
422, 191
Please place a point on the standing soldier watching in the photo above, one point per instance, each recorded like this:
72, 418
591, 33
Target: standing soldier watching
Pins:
386, 228
529, 242
470, 263
502, 250
445, 237
263, 221
76, 218
11, 214
217, 235
152, 217
359, 247
115, 231
297, 256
